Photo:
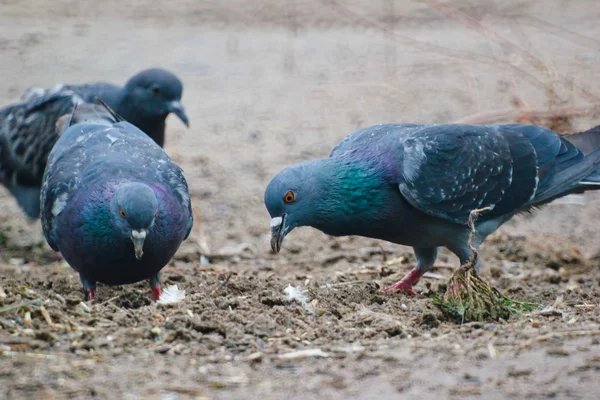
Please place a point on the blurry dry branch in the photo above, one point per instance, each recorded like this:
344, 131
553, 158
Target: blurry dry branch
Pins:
456, 54
507, 45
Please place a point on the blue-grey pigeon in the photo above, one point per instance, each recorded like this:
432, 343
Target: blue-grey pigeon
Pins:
145, 101
28, 130
416, 185
113, 202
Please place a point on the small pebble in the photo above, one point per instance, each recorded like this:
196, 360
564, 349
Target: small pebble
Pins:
163, 349
155, 331
159, 317
256, 357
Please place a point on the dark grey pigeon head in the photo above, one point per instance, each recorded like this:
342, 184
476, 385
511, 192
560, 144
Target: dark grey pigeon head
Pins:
134, 208
155, 93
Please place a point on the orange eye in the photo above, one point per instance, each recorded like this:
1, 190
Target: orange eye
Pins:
122, 213
289, 197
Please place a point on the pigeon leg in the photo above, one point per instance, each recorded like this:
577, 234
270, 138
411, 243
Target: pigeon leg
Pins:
155, 286
90, 286
425, 261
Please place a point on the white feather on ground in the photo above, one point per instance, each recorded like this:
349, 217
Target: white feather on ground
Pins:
296, 294
171, 295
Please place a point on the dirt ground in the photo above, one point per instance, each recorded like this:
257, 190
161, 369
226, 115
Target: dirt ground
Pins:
269, 83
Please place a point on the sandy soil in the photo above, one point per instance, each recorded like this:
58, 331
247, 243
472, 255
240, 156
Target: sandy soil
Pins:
269, 83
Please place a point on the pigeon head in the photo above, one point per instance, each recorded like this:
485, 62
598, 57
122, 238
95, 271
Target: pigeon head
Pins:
156, 93
336, 196
135, 207
289, 198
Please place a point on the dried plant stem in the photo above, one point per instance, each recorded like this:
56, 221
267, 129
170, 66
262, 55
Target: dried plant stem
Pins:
471, 297
505, 43
19, 305
383, 253
560, 335
221, 284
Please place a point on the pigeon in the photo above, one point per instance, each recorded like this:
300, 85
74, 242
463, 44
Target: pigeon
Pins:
145, 101
28, 131
416, 185
112, 202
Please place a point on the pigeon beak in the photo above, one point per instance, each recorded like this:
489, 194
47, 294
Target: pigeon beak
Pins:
176, 108
278, 232
138, 238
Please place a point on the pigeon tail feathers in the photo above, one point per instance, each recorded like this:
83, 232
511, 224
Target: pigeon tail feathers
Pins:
586, 141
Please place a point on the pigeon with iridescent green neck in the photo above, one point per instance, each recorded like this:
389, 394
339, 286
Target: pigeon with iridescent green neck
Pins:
113, 202
416, 185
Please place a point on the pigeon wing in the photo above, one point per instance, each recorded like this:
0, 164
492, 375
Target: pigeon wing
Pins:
450, 170
27, 133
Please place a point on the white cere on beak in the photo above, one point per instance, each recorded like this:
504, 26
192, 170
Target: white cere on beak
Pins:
275, 222
138, 238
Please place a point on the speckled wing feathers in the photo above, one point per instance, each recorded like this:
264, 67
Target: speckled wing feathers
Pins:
27, 133
449, 170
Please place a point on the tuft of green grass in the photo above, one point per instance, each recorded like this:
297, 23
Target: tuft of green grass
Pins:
518, 307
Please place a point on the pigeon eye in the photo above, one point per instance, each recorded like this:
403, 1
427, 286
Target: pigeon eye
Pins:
289, 197
122, 213
155, 90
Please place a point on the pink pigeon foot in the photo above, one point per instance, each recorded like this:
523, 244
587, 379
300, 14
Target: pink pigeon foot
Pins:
406, 284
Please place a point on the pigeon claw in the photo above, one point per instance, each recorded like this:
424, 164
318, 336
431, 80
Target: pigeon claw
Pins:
91, 294
405, 285
401, 286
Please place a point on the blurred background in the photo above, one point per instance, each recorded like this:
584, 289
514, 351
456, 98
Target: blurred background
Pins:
268, 83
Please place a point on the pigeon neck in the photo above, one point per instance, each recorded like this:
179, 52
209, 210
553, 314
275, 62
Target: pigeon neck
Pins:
151, 124
353, 200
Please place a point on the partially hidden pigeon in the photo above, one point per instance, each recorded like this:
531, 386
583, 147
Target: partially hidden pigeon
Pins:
28, 131
416, 185
145, 101
113, 202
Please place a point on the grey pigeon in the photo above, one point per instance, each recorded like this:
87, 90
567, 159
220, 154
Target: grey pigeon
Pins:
113, 202
416, 185
28, 130
27, 133
145, 101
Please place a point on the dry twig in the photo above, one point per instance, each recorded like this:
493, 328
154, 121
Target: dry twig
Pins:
221, 284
